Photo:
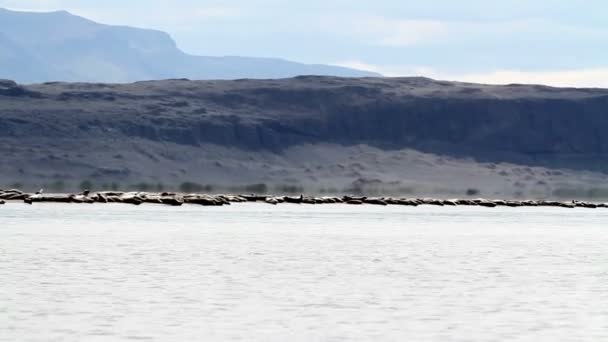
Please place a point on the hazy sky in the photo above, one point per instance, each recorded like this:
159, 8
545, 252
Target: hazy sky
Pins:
559, 42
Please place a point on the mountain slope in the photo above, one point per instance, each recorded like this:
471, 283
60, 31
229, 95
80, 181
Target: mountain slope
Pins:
59, 46
16, 62
314, 131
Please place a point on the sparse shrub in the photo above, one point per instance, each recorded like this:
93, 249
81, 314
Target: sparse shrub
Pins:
354, 190
191, 187
366, 186
257, 188
473, 192
331, 191
569, 193
142, 187
600, 193
582, 193
110, 186
406, 190
57, 186
289, 189
86, 185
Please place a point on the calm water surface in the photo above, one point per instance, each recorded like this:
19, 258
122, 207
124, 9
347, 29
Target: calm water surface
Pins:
302, 273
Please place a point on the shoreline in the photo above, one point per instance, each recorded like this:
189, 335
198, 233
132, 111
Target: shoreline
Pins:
178, 199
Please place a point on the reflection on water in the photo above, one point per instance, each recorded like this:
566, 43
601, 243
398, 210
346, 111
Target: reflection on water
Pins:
302, 273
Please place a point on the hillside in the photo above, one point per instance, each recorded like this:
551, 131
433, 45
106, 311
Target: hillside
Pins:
322, 132
59, 46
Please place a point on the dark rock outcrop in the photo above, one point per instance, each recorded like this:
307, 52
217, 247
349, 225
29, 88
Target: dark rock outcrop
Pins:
10, 88
555, 127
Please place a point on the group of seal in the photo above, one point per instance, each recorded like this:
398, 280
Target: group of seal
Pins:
178, 199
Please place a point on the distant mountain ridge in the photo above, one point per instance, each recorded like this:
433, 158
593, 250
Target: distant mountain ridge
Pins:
59, 46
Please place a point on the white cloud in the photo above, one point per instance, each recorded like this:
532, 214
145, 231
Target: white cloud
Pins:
168, 18
216, 12
400, 33
34, 6
591, 77
383, 31
163, 15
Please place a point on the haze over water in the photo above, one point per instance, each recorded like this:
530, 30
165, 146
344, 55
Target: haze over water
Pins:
302, 273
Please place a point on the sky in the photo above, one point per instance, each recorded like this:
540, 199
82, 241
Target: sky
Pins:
555, 42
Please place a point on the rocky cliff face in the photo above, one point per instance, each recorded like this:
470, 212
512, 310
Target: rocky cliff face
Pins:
524, 124
533, 123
